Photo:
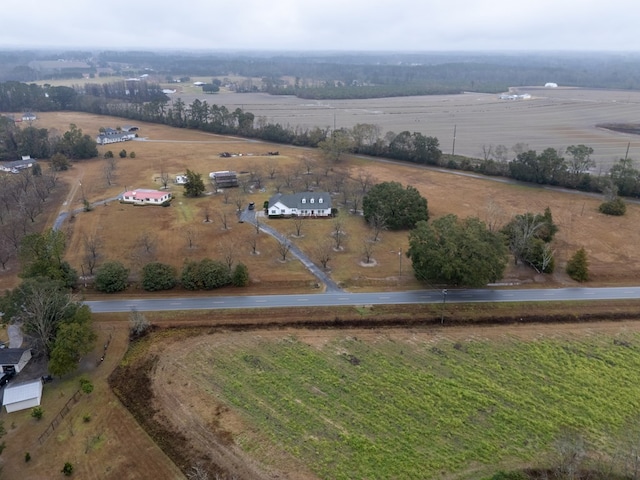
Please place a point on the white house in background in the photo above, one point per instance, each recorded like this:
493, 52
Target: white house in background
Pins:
14, 359
17, 165
19, 396
143, 196
303, 204
551, 85
28, 117
111, 135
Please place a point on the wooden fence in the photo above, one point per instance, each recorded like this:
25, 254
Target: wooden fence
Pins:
61, 414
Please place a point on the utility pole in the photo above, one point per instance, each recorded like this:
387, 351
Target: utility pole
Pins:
453, 149
444, 300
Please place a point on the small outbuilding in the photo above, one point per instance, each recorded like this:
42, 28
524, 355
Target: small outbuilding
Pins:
14, 359
20, 396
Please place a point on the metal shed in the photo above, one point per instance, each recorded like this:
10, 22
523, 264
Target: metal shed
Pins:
20, 396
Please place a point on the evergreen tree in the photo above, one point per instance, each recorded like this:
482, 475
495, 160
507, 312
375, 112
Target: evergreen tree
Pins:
578, 266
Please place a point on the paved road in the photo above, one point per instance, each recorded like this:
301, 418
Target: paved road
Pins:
379, 298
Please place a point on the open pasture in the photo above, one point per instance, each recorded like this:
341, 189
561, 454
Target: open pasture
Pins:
553, 118
180, 233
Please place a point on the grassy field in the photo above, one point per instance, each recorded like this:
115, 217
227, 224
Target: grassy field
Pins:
410, 404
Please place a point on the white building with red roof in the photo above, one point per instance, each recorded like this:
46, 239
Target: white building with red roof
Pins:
143, 196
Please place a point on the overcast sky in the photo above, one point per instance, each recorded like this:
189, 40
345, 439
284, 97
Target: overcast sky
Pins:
393, 25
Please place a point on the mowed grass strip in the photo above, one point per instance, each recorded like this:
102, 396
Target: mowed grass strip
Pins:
394, 409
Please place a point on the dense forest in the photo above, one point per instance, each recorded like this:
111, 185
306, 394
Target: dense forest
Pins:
341, 75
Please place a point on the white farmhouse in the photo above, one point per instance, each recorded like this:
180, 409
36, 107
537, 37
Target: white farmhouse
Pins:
303, 204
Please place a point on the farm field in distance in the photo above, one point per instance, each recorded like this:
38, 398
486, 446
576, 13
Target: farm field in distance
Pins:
553, 117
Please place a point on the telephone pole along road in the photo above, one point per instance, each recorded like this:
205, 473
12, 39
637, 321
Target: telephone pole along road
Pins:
356, 299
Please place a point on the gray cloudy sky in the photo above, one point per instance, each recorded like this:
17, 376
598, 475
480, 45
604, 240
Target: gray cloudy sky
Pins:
323, 24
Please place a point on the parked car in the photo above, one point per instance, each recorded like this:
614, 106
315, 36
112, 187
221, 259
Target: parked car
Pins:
252, 205
6, 377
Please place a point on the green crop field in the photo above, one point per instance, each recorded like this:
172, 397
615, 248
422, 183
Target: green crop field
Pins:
418, 409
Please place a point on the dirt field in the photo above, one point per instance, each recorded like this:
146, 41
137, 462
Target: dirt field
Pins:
553, 117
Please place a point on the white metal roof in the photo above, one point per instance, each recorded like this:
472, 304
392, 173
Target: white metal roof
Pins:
18, 392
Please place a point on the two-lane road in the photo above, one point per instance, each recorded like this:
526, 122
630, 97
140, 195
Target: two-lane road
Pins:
377, 298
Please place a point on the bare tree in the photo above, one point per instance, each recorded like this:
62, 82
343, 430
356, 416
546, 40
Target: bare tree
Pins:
495, 216
164, 177
487, 152
256, 225
109, 174
501, 153
272, 169
147, 244
366, 180
367, 250
284, 247
190, 235
338, 233
378, 223
356, 200
31, 206
138, 323
253, 243
92, 245
228, 251
297, 222
198, 472
206, 210
224, 219
307, 164
7, 252
226, 195
323, 253
238, 200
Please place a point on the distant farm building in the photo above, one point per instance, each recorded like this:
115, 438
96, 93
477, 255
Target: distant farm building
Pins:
224, 179
21, 396
29, 117
111, 135
303, 204
510, 96
17, 165
143, 196
550, 85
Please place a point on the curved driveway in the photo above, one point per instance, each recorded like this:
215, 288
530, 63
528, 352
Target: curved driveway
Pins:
355, 299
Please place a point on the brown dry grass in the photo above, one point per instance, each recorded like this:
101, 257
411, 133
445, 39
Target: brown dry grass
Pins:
609, 242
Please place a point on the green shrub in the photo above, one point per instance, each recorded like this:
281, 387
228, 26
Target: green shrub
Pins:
37, 412
27, 457
615, 207
112, 277
158, 276
67, 469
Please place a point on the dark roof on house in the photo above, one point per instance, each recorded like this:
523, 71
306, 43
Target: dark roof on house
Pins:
19, 163
302, 200
11, 356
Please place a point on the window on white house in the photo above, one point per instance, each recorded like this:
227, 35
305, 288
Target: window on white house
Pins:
312, 200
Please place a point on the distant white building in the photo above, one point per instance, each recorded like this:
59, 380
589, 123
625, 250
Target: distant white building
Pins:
550, 85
